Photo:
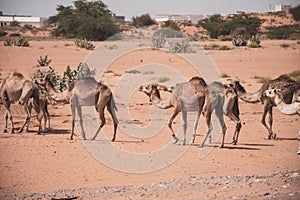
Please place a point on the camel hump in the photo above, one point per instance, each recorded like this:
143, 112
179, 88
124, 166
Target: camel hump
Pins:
198, 80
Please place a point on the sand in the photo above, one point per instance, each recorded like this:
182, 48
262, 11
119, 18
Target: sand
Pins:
39, 165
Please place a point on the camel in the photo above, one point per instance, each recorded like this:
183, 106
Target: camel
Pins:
17, 88
230, 105
85, 92
288, 109
189, 96
288, 90
43, 104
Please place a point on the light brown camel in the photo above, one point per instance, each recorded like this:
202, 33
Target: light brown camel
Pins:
230, 105
288, 109
85, 92
43, 104
287, 87
17, 88
189, 96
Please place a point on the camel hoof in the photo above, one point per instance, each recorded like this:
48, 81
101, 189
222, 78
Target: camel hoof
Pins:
5, 131
175, 140
234, 142
222, 146
113, 139
274, 136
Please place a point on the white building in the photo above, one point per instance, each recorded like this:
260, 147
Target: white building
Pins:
282, 8
5, 20
179, 18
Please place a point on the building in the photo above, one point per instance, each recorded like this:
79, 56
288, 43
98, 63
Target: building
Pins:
194, 19
5, 20
282, 8
118, 18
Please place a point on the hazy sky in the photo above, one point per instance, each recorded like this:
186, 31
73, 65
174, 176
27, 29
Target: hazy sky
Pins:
131, 8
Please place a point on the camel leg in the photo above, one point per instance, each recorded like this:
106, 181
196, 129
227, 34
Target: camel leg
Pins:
47, 116
170, 122
8, 115
73, 120
238, 126
102, 119
196, 126
273, 135
79, 111
209, 127
111, 111
184, 125
267, 108
27, 119
220, 116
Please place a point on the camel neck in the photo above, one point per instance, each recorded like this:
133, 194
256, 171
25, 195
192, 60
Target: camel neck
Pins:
159, 103
249, 97
57, 96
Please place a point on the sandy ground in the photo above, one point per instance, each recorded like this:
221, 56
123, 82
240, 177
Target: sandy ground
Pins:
51, 166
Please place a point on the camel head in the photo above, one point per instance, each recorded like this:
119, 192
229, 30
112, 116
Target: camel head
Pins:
152, 89
272, 92
236, 85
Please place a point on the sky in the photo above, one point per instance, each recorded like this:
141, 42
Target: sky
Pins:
130, 8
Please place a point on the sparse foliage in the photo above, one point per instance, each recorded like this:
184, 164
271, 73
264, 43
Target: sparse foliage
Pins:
171, 25
83, 43
239, 41
181, 46
44, 61
21, 42
158, 40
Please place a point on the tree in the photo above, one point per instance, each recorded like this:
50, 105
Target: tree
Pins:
86, 19
295, 12
143, 20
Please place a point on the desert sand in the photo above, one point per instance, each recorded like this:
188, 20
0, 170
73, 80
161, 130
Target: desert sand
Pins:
52, 166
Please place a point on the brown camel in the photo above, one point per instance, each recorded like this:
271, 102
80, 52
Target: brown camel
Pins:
189, 96
17, 88
288, 109
85, 92
288, 88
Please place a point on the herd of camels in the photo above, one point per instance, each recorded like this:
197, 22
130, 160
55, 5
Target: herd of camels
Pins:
194, 95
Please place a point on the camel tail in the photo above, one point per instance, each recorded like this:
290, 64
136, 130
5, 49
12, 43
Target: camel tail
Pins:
113, 103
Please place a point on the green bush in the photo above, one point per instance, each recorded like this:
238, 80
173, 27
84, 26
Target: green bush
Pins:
15, 35
171, 24
3, 33
240, 24
143, 20
86, 19
69, 76
284, 32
